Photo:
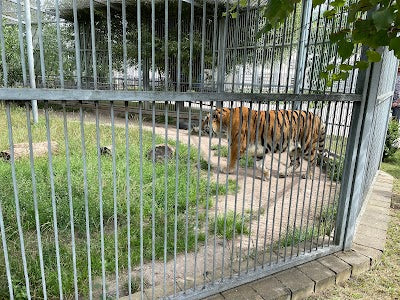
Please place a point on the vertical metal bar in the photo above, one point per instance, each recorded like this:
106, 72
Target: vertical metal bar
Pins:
255, 60
114, 171
301, 58
5, 253
153, 45
270, 178
71, 207
312, 120
153, 200
284, 113
165, 196
139, 49
94, 58
77, 45
325, 179
85, 191
290, 138
40, 33
291, 48
305, 129
208, 191
59, 45
341, 155
203, 43
214, 44
109, 45
128, 200
216, 199
178, 67
237, 183
187, 198
249, 117
315, 47
176, 193
319, 179
267, 124
21, 42
235, 43
226, 188
5, 71
141, 197
272, 61
263, 62
166, 46
197, 201
222, 48
254, 176
191, 45
281, 61
35, 202
307, 46
31, 62
103, 269
53, 200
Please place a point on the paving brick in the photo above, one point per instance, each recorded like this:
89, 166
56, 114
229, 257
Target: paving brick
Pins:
243, 292
381, 202
359, 263
299, 284
216, 297
368, 230
270, 288
374, 223
338, 266
321, 275
370, 241
373, 254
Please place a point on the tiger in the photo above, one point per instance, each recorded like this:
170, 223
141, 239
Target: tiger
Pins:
301, 133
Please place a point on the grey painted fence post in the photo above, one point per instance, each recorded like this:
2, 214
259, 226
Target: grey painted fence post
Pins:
31, 62
351, 191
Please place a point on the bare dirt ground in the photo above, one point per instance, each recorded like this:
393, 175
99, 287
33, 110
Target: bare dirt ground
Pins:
273, 206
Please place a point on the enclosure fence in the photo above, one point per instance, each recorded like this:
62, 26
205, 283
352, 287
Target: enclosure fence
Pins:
165, 149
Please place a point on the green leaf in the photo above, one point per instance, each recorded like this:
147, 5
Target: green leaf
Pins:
362, 65
243, 3
395, 46
345, 67
317, 2
330, 67
345, 49
234, 15
337, 36
373, 56
340, 76
338, 3
329, 14
383, 18
323, 75
265, 29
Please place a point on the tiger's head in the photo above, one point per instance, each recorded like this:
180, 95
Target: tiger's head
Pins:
220, 117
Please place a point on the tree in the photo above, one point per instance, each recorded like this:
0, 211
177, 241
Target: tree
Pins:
371, 23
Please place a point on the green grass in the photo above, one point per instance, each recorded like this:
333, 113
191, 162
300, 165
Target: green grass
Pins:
230, 224
45, 209
223, 151
392, 166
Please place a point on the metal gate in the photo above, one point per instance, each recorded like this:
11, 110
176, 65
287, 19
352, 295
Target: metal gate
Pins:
170, 151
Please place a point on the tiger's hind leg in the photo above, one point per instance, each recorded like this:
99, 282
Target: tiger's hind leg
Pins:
294, 155
264, 172
311, 162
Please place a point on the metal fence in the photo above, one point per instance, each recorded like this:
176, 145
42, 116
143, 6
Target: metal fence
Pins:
235, 163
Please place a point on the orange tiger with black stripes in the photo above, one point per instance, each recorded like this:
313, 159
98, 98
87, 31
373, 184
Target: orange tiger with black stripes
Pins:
295, 130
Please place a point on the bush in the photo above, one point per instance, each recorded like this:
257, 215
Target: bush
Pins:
392, 136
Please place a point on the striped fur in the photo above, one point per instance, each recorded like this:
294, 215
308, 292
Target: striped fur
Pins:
299, 132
